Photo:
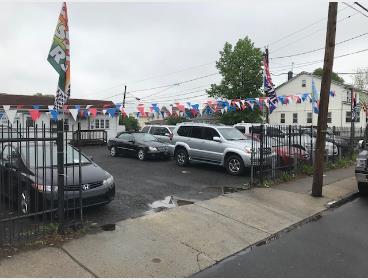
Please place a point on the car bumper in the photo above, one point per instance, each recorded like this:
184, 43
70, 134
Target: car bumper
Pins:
361, 176
158, 154
92, 197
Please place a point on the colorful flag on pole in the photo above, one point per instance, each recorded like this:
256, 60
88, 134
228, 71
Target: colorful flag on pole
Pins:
268, 86
354, 107
59, 58
315, 97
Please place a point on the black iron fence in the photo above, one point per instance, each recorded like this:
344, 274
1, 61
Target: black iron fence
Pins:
284, 150
89, 137
40, 182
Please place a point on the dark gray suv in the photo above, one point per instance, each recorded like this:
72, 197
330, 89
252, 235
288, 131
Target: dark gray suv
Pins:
214, 144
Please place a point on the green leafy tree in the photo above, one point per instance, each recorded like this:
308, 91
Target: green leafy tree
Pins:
335, 77
131, 123
240, 67
173, 120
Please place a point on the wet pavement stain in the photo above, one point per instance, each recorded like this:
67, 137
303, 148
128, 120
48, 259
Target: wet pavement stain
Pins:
156, 260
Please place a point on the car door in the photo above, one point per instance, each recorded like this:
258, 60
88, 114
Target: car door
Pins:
195, 143
211, 150
125, 144
162, 134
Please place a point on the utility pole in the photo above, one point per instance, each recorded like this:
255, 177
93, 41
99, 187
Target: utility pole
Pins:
267, 61
125, 87
323, 106
352, 120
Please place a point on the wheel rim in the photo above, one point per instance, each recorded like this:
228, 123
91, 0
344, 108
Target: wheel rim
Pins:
112, 151
24, 203
180, 158
141, 154
234, 165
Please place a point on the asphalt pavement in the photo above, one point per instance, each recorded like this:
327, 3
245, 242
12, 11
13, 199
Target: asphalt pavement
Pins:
336, 245
140, 183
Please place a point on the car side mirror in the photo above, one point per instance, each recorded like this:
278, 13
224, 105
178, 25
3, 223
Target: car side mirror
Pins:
216, 139
167, 134
361, 144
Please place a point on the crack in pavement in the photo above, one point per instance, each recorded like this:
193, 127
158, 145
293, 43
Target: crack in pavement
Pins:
79, 263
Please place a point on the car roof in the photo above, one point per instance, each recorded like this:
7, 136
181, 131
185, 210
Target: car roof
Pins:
204, 125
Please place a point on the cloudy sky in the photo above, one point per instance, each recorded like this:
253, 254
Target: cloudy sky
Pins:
152, 44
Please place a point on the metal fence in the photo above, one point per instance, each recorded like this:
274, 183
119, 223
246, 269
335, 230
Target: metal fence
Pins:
281, 150
40, 181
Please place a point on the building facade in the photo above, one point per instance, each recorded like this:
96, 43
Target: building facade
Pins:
339, 109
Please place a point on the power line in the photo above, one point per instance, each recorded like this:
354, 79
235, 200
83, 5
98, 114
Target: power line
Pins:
302, 29
168, 95
355, 9
364, 8
311, 34
307, 52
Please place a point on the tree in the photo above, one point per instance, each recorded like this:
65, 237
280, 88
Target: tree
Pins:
361, 79
240, 67
173, 120
247, 116
335, 77
41, 94
131, 123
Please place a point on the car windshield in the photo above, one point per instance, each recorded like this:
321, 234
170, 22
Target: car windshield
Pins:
46, 156
231, 133
171, 128
144, 137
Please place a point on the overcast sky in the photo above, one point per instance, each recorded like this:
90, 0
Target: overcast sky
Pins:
113, 44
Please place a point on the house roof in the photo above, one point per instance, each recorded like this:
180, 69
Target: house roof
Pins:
29, 100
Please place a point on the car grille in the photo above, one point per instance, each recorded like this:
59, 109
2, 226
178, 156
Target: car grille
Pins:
90, 186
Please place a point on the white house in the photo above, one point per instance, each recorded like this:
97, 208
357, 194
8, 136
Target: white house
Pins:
20, 106
339, 109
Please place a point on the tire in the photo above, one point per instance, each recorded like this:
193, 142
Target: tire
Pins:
234, 165
363, 188
141, 154
113, 152
181, 157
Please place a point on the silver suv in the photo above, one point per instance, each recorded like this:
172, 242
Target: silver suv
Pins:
214, 144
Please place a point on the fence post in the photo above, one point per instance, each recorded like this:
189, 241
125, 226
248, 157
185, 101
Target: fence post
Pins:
311, 144
60, 171
333, 142
261, 154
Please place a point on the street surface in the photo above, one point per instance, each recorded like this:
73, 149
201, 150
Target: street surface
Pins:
336, 245
139, 184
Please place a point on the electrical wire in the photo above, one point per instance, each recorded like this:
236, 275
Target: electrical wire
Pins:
355, 9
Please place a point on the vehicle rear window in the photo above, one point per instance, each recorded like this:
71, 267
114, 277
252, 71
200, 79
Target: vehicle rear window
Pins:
184, 131
240, 128
145, 129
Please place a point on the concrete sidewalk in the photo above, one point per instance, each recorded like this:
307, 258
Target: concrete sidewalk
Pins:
181, 241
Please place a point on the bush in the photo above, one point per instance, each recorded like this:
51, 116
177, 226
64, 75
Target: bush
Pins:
131, 123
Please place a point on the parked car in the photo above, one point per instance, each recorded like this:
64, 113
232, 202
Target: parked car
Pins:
361, 169
30, 172
139, 144
161, 132
339, 141
215, 144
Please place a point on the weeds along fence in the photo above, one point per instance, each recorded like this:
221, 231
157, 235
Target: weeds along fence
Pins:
40, 181
283, 150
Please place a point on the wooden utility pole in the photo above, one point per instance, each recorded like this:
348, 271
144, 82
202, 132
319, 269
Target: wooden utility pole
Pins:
125, 87
324, 99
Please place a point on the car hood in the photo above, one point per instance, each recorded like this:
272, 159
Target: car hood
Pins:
242, 144
90, 173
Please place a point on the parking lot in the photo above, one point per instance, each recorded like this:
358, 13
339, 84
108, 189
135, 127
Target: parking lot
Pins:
140, 183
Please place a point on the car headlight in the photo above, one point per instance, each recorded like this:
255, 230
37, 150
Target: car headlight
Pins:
108, 181
361, 162
43, 188
152, 149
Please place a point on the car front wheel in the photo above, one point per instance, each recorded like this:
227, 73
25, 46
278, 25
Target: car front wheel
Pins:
113, 151
363, 188
141, 154
234, 165
181, 157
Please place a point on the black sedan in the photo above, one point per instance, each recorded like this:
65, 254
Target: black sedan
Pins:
29, 178
138, 144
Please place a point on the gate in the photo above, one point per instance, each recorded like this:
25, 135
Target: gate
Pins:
40, 182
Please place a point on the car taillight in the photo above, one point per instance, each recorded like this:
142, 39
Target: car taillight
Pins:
43, 188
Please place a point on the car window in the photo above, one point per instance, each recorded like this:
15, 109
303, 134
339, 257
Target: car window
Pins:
184, 131
209, 133
171, 128
144, 137
231, 133
156, 130
10, 155
145, 129
126, 137
240, 128
196, 132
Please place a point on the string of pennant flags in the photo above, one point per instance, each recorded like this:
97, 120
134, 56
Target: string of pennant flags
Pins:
187, 108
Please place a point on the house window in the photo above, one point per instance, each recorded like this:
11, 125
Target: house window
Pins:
102, 124
295, 117
348, 117
282, 118
304, 83
66, 125
309, 117
97, 124
329, 117
107, 124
